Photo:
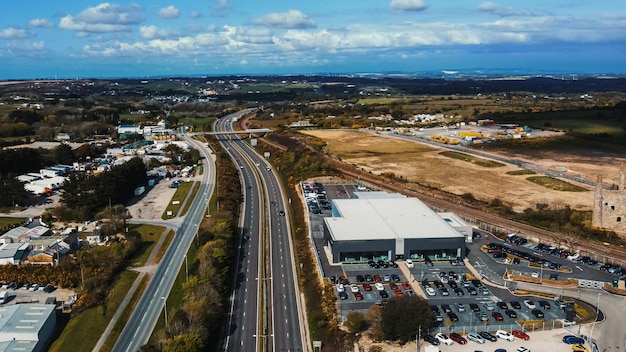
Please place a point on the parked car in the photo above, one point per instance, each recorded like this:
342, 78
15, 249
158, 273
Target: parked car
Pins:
369, 278
34, 287
520, 334
537, 313
529, 304
511, 313
340, 288
502, 305
505, 335
453, 317
472, 291
482, 316
544, 304
343, 295
433, 340
522, 349
406, 286
360, 278
573, 340
488, 336
516, 305
393, 286
377, 278
430, 291
358, 296
367, 287
474, 307
409, 263
483, 290
459, 307
497, 316
444, 291
446, 308
395, 278
379, 286
472, 336
398, 293
579, 348
387, 278
443, 338
459, 291
488, 305
383, 294
458, 338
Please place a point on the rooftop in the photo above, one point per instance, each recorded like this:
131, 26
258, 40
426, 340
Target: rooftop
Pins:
386, 218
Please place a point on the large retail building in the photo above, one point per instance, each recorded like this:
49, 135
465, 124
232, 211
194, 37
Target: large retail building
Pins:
379, 225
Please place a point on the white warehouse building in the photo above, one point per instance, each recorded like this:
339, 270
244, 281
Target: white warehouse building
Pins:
379, 225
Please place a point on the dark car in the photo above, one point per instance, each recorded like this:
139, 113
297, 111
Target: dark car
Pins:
281, 213
544, 304
497, 316
572, 340
453, 317
343, 295
474, 307
458, 338
472, 291
502, 305
477, 283
431, 339
383, 294
395, 277
434, 308
516, 305
369, 278
488, 336
537, 313
360, 278
511, 313
459, 291
446, 308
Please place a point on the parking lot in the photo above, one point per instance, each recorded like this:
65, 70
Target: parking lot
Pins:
21, 295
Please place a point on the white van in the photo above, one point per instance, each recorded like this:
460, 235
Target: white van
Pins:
4, 297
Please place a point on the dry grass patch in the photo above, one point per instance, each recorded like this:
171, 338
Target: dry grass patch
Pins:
423, 164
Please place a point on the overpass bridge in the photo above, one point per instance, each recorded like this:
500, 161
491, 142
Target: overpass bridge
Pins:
249, 132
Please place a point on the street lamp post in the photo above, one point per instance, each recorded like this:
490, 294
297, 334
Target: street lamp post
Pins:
597, 312
165, 309
186, 269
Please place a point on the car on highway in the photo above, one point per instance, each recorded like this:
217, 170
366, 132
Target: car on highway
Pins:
573, 340
281, 213
488, 336
520, 335
472, 336
505, 335
433, 340
458, 338
443, 338
529, 304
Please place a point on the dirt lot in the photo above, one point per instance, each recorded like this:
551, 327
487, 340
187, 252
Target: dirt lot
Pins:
423, 164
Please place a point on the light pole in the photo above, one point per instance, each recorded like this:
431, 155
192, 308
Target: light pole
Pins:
594, 322
165, 309
186, 269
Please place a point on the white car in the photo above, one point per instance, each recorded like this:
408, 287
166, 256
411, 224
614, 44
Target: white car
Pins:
523, 349
409, 263
430, 291
472, 336
489, 305
354, 288
574, 256
379, 286
34, 287
443, 338
505, 335
535, 274
341, 288
529, 304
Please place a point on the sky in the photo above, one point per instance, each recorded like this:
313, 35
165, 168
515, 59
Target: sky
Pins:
93, 39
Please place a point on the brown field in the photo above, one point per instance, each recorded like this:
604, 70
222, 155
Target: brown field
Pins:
423, 164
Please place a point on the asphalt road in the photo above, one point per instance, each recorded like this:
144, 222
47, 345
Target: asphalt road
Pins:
281, 311
143, 319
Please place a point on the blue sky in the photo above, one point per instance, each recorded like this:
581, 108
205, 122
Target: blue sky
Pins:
68, 39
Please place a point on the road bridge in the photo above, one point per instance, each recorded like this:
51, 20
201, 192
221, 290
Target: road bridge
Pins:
249, 132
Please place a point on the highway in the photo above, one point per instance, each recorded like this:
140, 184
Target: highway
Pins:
278, 306
144, 317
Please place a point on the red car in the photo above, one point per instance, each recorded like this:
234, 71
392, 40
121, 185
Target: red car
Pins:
358, 296
377, 278
398, 293
367, 287
520, 334
497, 316
458, 338
406, 286
393, 286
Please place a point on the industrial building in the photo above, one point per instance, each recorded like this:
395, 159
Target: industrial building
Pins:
379, 225
26, 327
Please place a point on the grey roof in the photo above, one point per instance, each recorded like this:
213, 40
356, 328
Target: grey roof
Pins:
10, 250
23, 321
386, 218
15, 233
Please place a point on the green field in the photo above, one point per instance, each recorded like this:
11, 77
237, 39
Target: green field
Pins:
555, 184
6, 223
197, 123
179, 196
520, 172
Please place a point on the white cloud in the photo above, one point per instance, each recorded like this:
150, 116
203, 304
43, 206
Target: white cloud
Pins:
408, 5
169, 12
503, 11
195, 14
220, 9
152, 32
105, 17
14, 33
40, 22
291, 19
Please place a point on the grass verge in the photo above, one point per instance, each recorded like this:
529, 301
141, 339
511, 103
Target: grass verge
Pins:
10, 222
178, 198
149, 236
83, 331
194, 192
471, 159
555, 184
121, 322
521, 172
164, 246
